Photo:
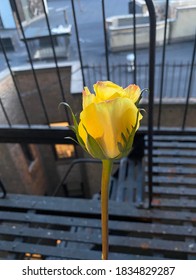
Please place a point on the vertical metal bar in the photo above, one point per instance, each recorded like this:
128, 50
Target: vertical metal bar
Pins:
139, 76
126, 73
113, 72
55, 58
5, 113
14, 81
105, 40
158, 80
101, 72
168, 69
88, 75
165, 87
94, 72
3, 190
78, 42
186, 78
134, 44
179, 80
189, 85
152, 40
163, 64
120, 74
31, 63
146, 74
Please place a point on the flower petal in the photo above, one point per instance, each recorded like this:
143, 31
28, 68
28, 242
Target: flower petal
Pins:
90, 120
133, 92
87, 97
107, 90
106, 121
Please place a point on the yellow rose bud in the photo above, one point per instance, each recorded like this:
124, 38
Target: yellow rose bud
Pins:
109, 120
106, 130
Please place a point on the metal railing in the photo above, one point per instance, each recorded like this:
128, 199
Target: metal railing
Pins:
159, 78
175, 83
164, 79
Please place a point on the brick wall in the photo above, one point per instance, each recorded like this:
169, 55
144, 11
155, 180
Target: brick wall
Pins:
50, 92
41, 175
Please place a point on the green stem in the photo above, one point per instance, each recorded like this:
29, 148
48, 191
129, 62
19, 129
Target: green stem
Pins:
106, 172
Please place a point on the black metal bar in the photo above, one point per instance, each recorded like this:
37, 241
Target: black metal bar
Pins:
179, 80
146, 74
189, 85
113, 72
105, 40
14, 81
39, 134
141, 77
101, 72
165, 87
4, 192
55, 58
158, 66
31, 63
172, 76
5, 113
78, 42
152, 45
42, 134
120, 74
126, 75
173, 92
134, 44
73, 163
94, 72
186, 79
163, 64
88, 75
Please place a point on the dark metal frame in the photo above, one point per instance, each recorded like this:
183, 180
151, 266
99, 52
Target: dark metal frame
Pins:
45, 134
38, 135
152, 35
163, 64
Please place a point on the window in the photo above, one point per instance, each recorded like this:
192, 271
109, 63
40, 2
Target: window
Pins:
45, 42
7, 43
63, 151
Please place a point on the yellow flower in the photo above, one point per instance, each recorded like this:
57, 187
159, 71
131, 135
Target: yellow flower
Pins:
109, 120
106, 130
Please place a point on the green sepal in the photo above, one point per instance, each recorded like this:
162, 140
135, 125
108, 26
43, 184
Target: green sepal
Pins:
123, 137
74, 140
75, 123
74, 127
81, 142
140, 97
120, 147
93, 147
125, 149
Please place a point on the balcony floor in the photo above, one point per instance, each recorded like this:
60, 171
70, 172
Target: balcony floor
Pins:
35, 227
70, 229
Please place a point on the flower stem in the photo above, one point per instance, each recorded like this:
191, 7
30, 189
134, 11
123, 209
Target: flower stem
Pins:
106, 172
